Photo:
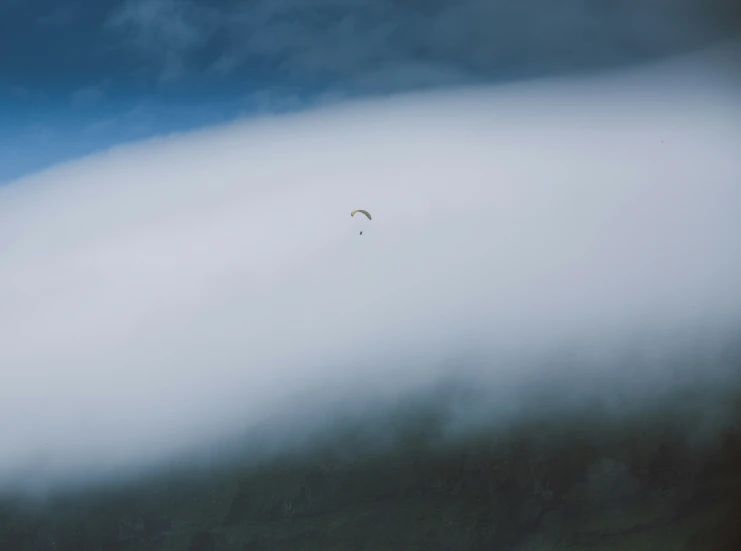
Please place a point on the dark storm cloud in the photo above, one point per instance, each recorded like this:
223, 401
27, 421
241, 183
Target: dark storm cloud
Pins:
366, 44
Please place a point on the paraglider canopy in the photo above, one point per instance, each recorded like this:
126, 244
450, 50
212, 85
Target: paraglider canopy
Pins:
363, 211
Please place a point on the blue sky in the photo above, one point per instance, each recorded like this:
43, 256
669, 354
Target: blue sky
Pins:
82, 75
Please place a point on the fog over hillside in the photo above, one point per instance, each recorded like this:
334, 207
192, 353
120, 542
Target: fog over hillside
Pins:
552, 244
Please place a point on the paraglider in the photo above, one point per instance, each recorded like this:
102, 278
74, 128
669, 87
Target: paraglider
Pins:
364, 212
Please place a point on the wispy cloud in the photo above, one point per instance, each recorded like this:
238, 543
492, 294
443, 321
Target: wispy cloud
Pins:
166, 297
166, 31
391, 45
61, 16
87, 96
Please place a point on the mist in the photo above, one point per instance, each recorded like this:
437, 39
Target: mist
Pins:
550, 244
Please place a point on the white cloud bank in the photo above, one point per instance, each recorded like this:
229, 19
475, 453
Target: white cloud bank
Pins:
159, 297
